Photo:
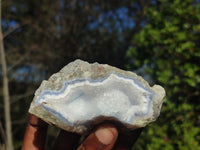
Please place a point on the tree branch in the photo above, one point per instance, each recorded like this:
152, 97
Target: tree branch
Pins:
6, 96
11, 30
16, 98
18, 62
2, 134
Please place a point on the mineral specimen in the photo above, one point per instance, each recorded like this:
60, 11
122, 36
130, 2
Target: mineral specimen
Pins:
82, 95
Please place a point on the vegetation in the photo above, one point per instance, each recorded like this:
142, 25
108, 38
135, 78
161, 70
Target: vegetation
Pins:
159, 39
168, 49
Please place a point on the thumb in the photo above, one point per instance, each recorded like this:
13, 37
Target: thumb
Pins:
103, 138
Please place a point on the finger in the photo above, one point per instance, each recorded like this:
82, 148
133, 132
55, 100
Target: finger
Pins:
66, 141
35, 135
103, 138
126, 141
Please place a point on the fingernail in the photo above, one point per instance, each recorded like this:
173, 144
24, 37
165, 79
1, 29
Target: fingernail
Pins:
105, 135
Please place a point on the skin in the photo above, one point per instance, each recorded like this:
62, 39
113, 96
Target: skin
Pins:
104, 137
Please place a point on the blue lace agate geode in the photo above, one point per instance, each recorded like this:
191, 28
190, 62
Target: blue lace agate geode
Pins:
82, 95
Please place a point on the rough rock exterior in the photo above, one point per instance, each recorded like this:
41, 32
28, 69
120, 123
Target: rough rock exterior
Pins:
82, 95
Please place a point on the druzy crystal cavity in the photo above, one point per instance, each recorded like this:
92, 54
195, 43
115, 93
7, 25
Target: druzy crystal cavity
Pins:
82, 95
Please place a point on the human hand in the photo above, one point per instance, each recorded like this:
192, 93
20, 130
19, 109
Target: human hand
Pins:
105, 137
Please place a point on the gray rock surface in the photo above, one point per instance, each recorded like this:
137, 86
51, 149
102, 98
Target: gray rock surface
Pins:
82, 95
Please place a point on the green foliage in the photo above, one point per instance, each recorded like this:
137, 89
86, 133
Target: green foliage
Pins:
168, 49
52, 33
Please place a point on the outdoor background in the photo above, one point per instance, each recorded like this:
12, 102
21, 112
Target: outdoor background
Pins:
158, 39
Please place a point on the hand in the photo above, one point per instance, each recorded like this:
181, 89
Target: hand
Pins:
105, 137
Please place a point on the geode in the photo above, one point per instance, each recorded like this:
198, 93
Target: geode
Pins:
82, 95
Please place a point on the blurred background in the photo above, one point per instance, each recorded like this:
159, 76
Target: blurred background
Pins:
158, 39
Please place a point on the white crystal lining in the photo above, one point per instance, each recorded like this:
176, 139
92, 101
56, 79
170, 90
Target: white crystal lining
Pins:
115, 96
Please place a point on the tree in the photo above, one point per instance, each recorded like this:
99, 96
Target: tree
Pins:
168, 49
41, 37
6, 96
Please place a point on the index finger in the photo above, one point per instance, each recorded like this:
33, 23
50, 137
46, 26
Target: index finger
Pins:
35, 135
